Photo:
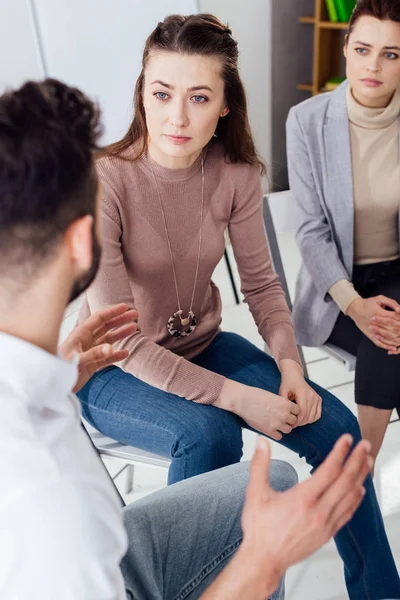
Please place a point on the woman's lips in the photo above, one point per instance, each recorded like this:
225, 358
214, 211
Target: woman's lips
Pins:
371, 82
178, 140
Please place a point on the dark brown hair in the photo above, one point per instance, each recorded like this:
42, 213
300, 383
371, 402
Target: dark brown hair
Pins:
380, 9
205, 35
48, 137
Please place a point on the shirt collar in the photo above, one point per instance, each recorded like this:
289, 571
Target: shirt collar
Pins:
36, 375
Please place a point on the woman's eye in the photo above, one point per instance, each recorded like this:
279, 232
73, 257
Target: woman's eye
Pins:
361, 51
391, 55
161, 95
199, 99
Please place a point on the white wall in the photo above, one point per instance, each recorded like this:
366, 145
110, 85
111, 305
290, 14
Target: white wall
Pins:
250, 22
19, 53
95, 45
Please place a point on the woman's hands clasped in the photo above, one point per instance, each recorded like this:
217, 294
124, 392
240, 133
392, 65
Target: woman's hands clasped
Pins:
295, 388
379, 319
274, 414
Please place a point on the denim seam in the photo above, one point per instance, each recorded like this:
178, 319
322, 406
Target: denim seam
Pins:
207, 570
362, 560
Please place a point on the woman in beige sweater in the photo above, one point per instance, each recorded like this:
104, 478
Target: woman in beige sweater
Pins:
187, 170
344, 169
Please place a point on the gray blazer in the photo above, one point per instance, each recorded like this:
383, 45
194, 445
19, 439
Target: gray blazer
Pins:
321, 182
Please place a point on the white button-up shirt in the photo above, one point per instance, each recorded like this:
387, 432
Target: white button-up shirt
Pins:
61, 531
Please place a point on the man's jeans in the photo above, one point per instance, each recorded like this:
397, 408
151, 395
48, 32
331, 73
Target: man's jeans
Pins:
200, 438
182, 537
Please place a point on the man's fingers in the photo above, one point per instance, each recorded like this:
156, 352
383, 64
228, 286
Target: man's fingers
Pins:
118, 334
346, 510
94, 355
114, 357
97, 319
259, 470
331, 468
351, 478
129, 316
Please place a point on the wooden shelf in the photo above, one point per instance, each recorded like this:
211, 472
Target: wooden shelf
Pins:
322, 24
305, 87
330, 25
307, 20
327, 48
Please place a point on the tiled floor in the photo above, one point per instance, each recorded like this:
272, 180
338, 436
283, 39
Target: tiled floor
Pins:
321, 576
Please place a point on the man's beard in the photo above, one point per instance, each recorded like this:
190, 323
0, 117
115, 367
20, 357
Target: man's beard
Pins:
83, 281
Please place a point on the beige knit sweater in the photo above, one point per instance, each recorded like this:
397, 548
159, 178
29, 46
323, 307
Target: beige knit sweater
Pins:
136, 267
374, 138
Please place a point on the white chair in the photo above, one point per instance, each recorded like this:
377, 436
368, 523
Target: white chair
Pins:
280, 217
104, 445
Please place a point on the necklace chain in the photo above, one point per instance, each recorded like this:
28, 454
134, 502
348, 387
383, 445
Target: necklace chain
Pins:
169, 243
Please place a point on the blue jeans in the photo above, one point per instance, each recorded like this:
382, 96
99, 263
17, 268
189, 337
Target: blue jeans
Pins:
201, 438
183, 536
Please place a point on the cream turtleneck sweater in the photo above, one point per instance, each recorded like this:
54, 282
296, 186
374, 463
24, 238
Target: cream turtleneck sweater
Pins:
374, 138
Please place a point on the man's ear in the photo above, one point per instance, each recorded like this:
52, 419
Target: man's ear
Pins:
78, 241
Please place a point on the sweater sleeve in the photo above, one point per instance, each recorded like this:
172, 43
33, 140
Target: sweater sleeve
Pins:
343, 293
148, 361
259, 283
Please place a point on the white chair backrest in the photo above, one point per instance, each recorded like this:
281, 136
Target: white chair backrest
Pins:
282, 212
280, 224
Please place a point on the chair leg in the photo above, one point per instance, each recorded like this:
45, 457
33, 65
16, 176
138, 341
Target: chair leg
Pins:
228, 264
130, 472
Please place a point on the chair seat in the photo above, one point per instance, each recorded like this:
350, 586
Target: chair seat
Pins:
348, 360
108, 447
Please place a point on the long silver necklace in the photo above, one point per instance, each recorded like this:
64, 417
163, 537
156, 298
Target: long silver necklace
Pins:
187, 324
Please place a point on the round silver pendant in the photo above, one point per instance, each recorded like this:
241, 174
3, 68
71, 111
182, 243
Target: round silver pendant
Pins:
187, 324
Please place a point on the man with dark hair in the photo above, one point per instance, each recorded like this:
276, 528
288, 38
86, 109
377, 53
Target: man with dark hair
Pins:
61, 532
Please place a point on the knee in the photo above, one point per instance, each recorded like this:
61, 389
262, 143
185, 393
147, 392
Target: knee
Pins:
282, 476
337, 419
349, 424
215, 439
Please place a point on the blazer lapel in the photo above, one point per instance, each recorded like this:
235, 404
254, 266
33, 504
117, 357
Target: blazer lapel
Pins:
339, 177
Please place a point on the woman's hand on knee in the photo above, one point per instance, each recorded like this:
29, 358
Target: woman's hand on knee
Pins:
264, 411
295, 388
379, 319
